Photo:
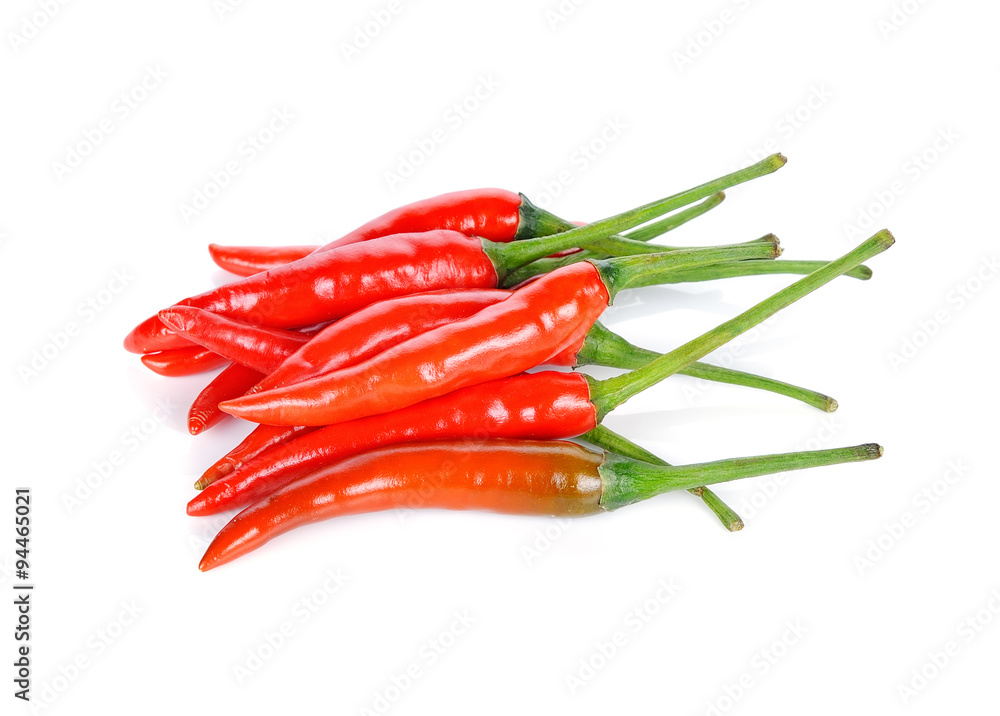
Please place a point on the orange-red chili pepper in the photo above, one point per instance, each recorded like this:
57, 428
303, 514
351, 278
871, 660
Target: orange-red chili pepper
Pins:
332, 283
182, 361
507, 476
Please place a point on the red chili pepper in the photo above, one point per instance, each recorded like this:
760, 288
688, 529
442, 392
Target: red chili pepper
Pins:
182, 361
372, 330
260, 439
534, 324
507, 476
333, 283
232, 382
257, 347
248, 260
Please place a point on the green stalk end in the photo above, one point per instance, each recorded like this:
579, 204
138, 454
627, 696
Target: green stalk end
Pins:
627, 480
604, 437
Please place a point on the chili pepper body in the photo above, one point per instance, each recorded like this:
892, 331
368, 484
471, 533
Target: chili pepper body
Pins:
248, 260
232, 382
260, 439
539, 406
262, 349
371, 330
493, 214
182, 361
523, 331
538, 478
328, 285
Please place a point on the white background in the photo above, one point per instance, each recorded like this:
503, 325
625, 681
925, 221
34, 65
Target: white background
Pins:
881, 96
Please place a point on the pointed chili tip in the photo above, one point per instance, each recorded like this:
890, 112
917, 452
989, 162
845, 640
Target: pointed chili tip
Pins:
195, 506
196, 425
204, 565
173, 318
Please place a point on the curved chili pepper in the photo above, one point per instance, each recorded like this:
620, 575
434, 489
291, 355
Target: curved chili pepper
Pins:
248, 260
507, 476
257, 347
535, 323
182, 361
330, 284
377, 327
232, 382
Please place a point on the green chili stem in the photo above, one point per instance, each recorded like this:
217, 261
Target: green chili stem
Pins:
755, 268
604, 347
644, 233
508, 257
609, 394
627, 480
608, 439
632, 271
658, 228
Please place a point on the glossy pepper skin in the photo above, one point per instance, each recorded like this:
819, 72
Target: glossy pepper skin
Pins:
248, 260
539, 406
256, 347
535, 323
493, 214
232, 382
371, 330
182, 361
524, 477
327, 285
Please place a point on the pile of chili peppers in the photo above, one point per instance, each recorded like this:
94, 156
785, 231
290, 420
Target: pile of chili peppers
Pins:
399, 366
